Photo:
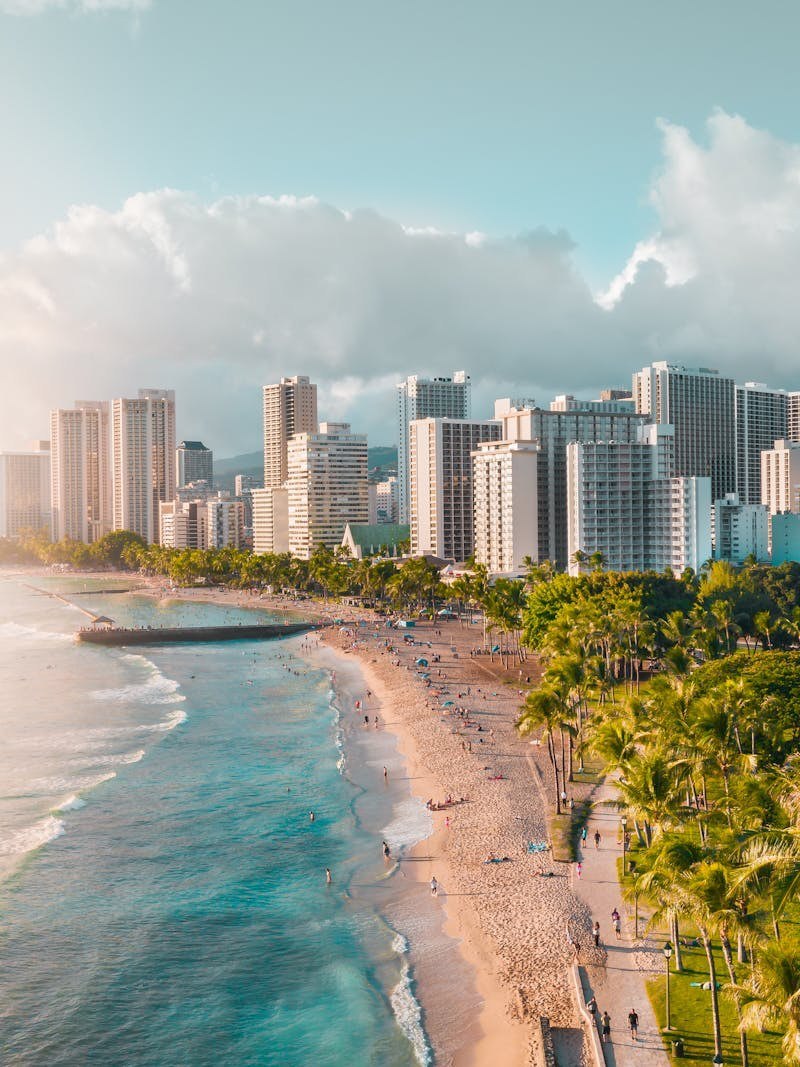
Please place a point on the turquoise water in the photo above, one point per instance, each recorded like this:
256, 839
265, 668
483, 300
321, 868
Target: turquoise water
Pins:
164, 899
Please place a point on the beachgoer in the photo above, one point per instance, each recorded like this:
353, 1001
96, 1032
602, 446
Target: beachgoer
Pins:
583, 835
328, 877
447, 823
386, 851
596, 934
578, 868
434, 886
591, 1007
376, 722
385, 773
597, 839
366, 720
606, 1027
633, 1023
311, 816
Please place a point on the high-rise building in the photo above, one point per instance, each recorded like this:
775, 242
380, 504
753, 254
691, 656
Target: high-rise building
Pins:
625, 505
80, 454
440, 452
552, 430
387, 501
780, 477
290, 407
25, 491
143, 450
761, 419
327, 485
505, 487
182, 523
701, 405
224, 523
194, 463
425, 398
793, 417
615, 401
270, 519
740, 530
244, 484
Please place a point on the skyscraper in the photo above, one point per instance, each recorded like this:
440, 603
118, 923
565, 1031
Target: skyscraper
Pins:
441, 484
143, 449
780, 477
701, 405
194, 463
290, 407
425, 398
761, 419
327, 486
505, 488
80, 471
793, 417
25, 491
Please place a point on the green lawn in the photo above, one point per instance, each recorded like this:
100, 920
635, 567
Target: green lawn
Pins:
690, 1010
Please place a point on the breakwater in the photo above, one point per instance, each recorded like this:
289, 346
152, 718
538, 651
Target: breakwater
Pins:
171, 635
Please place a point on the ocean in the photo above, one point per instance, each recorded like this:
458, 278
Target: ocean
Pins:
162, 886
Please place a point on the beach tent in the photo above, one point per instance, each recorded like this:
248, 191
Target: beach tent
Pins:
446, 613
405, 624
422, 662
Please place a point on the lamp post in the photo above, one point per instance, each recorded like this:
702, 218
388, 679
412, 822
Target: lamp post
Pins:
624, 823
667, 957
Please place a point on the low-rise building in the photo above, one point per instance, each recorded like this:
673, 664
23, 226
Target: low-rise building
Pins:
378, 539
740, 530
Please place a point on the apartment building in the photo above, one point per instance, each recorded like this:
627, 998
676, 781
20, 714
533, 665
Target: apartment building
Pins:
80, 471
289, 407
143, 460
505, 480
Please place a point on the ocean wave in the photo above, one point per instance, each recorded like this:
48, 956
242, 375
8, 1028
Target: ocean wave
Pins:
158, 689
399, 944
16, 629
32, 837
412, 823
175, 718
121, 759
72, 803
408, 1013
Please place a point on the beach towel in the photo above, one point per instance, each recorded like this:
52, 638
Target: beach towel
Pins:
538, 846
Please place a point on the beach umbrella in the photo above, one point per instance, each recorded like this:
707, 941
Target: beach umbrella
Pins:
495, 648
447, 704
422, 662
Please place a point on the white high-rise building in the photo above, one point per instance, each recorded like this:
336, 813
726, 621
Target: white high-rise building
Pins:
624, 503
740, 530
224, 523
505, 487
425, 398
290, 407
780, 477
182, 523
551, 431
25, 491
194, 463
270, 519
143, 450
441, 484
327, 486
761, 419
793, 417
701, 405
387, 501
80, 454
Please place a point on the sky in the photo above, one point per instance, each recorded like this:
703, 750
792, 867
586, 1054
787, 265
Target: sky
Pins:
207, 195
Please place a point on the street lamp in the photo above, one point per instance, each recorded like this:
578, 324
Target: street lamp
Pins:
624, 823
667, 957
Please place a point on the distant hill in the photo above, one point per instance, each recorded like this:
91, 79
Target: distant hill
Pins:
382, 460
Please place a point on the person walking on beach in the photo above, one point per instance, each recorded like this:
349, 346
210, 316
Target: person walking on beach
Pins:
617, 924
386, 851
434, 886
606, 1027
633, 1023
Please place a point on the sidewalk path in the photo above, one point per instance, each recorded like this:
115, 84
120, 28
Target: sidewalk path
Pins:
619, 984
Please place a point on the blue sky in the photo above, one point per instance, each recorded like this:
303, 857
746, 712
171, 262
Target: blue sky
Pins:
501, 118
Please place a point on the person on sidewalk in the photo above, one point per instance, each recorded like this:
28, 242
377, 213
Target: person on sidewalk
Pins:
597, 839
633, 1023
606, 1027
596, 934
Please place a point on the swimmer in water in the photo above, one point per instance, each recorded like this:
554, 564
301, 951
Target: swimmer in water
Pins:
385, 773
386, 851
311, 816
328, 877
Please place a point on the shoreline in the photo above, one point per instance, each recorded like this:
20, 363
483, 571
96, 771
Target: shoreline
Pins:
509, 924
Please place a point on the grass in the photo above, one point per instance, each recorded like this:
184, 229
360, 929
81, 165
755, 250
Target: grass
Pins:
690, 1011
565, 830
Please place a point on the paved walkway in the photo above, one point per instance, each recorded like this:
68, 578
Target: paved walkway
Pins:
618, 984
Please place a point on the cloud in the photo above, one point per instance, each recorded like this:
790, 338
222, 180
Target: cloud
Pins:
83, 7
216, 299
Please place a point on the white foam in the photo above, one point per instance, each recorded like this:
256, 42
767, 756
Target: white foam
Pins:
72, 803
175, 718
158, 689
114, 761
399, 944
412, 823
19, 842
16, 629
408, 1013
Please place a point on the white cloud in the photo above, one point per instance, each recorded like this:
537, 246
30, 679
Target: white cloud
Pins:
216, 299
83, 7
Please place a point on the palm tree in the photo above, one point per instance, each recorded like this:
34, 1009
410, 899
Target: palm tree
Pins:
772, 997
544, 709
